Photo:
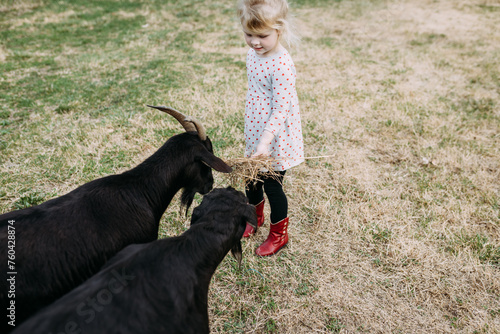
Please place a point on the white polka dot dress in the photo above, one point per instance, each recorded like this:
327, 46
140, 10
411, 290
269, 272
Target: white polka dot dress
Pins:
272, 104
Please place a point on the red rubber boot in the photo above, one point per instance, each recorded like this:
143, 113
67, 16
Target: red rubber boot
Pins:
277, 238
260, 220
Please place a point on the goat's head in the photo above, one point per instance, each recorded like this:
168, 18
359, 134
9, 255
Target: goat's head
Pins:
234, 212
200, 173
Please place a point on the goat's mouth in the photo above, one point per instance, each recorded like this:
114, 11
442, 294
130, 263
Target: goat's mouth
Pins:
237, 253
206, 188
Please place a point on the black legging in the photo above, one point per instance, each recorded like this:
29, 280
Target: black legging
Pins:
273, 186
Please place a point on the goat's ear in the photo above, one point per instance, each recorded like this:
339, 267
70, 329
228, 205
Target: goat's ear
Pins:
237, 253
250, 215
215, 163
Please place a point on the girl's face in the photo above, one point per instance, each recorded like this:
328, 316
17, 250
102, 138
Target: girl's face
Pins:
265, 43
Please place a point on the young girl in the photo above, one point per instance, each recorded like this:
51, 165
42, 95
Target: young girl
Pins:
272, 118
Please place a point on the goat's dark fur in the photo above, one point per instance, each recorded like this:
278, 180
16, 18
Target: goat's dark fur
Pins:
64, 241
159, 287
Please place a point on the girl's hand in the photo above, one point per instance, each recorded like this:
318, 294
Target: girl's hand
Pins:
261, 151
263, 146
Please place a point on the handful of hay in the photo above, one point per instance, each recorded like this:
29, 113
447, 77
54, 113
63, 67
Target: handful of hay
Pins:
247, 169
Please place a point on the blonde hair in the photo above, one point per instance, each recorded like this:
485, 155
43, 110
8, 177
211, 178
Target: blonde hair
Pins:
260, 15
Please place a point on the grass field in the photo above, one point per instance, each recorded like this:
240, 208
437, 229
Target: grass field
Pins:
397, 230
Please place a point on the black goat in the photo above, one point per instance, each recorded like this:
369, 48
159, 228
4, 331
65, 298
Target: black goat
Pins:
64, 241
159, 287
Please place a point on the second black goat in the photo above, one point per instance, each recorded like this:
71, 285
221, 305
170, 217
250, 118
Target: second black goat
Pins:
159, 287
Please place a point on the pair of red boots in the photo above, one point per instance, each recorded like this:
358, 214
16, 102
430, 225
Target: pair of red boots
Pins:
278, 235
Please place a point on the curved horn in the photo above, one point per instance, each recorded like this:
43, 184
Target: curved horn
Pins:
188, 123
199, 128
180, 117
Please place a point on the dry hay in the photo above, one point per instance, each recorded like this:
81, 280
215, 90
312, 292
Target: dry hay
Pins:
249, 169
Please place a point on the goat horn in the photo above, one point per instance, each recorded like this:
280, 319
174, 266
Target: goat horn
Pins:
188, 123
199, 128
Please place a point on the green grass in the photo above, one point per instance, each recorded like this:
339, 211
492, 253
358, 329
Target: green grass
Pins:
477, 244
